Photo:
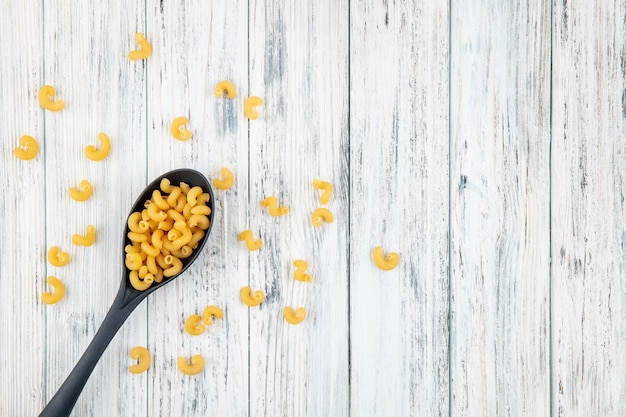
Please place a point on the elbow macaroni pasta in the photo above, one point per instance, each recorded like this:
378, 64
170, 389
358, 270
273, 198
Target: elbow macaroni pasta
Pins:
294, 317
227, 179
178, 131
99, 154
272, 204
87, 240
248, 107
225, 86
58, 258
31, 148
84, 193
46, 95
385, 263
209, 313
193, 326
320, 215
250, 299
144, 51
327, 189
251, 244
59, 291
301, 267
192, 368
142, 356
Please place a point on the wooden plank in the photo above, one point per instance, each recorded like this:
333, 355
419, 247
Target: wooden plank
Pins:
22, 225
196, 45
299, 67
399, 200
588, 209
103, 92
499, 190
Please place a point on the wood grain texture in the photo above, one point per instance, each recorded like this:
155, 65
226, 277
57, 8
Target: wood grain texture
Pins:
588, 210
298, 65
399, 200
500, 138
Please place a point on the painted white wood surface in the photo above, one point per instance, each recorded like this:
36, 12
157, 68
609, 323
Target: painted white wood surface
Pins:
432, 120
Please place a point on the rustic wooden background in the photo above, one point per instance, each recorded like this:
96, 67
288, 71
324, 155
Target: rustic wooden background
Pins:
483, 140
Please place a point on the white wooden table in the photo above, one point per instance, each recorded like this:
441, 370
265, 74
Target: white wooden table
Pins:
482, 140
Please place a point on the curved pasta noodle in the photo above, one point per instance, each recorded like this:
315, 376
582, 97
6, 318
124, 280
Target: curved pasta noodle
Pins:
248, 107
84, 193
29, 148
88, 239
226, 181
99, 154
144, 51
327, 189
58, 258
272, 205
138, 283
175, 268
178, 131
225, 86
251, 299
294, 317
190, 368
386, 263
320, 215
143, 358
210, 312
59, 291
251, 244
301, 267
46, 99
193, 325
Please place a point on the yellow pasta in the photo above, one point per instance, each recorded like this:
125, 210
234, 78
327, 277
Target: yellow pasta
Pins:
84, 193
251, 244
59, 291
294, 317
29, 148
46, 99
226, 181
327, 189
58, 258
193, 326
144, 51
99, 154
320, 215
175, 268
210, 312
250, 299
191, 368
301, 267
225, 87
272, 205
388, 262
248, 107
140, 284
143, 358
88, 239
178, 131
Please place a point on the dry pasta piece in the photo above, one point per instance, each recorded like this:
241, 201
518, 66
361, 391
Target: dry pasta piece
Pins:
327, 189
226, 181
251, 244
388, 262
225, 87
88, 239
99, 154
59, 291
84, 193
46, 99
251, 299
248, 107
320, 215
191, 368
58, 258
299, 273
139, 283
144, 51
178, 131
272, 205
210, 312
143, 358
29, 148
294, 317
193, 326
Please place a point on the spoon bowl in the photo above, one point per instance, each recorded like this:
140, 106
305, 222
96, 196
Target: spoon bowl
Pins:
127, 299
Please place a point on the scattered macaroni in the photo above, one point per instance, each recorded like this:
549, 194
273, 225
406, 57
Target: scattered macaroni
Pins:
178, 131
209, 313
193, 368
385, 262
250, 299
227, 179
59, 291
193, 325
301, 267
99, 154
327, 189
225, 86
86, 240
251, 244
31, 147
46, 95
322, 214
294, 317
272, 204
84, 193
142, 356
248, 107
58, 258
144, 51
